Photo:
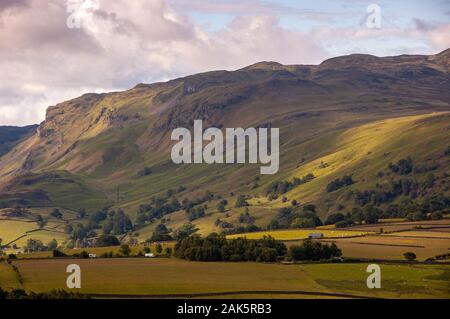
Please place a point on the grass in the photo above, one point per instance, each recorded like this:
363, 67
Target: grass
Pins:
43, 235
364, 150
360, 146
8, 278
390, 248
424, 234
401, 226
296, 234
401, 281
11, 229
95, 250
173, 276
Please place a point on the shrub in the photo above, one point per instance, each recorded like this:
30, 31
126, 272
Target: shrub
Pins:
107, 240
57, 253
217, 248
334, 218
241, 201
339, 183
410, 256
125, 250
314, 251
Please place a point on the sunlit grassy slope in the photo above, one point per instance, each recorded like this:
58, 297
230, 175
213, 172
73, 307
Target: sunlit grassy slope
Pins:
365, 150
362, 151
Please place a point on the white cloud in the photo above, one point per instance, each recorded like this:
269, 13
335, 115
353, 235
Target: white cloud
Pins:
121, 44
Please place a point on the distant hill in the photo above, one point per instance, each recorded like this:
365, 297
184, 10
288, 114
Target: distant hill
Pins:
11, 135
350, 115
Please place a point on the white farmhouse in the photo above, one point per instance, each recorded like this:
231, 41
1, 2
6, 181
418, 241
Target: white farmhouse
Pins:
315, 235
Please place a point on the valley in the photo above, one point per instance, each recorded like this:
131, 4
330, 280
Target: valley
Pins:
364, 159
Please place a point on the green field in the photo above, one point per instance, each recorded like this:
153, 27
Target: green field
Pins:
12, 229
8, 278
169, 277
95, 250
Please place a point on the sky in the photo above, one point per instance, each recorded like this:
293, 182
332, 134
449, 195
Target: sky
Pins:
55, 50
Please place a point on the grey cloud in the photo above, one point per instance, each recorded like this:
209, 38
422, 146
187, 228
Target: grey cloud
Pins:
12, 4
422, 25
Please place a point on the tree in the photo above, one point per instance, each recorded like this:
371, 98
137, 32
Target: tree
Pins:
168, 251
417, 216
41, 222
434, 216
125, 250
339, 183
3, 294
81, 213
161, 233
147, 250
274, 224
52, 245
410, 256
158, 248
221, 206
34, 245
334, 218
196, 213
315, 251
246, 217
117, 223
107, 240
184, 231
241, 201
79, 232
371, 214
68, 229
56, 213
268, 255
58, 253
302, 223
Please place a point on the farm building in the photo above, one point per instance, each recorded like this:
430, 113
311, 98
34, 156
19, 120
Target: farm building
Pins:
149, 255
315, 235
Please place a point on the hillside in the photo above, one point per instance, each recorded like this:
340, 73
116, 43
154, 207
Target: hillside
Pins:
11, 135
350, 115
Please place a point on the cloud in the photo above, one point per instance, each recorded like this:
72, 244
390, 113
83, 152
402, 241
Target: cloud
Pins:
122, 43
440, 37
12, 4
244, 7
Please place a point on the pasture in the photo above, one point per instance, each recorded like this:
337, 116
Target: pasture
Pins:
12, 229
95, 250
421, 234
385, 247
169, 277
297, 234
401, 226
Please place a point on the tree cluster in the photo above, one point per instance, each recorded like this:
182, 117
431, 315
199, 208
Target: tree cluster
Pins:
217, 248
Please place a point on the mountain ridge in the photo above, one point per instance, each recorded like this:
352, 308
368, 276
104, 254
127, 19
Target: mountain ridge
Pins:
97, 144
